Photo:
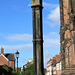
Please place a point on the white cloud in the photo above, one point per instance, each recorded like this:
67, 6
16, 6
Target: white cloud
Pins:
19, 37
53, 18
49, 6
25, 51
51, 42
52, 35
51, 39
17, 47
51, 46
54, 14
47, 56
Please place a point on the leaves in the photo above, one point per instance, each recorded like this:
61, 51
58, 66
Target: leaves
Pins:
5, 70
29, 69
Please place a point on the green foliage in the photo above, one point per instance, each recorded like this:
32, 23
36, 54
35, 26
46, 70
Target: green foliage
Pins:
44, 71
19, 70
5, 70
29, 69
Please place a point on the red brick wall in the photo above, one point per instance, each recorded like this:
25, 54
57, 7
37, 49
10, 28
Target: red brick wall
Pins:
3, 61
12, 64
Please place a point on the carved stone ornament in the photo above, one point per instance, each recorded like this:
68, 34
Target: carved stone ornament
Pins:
35, 2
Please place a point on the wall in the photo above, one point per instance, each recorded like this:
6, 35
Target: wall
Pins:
3, 60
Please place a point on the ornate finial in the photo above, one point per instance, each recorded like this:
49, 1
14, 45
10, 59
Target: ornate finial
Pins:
35, 2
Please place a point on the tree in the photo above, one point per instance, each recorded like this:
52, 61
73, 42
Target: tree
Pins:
45, 71
29, 69
5, 70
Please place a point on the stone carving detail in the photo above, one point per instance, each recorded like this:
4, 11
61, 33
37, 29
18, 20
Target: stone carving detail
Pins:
67, 35
35, 2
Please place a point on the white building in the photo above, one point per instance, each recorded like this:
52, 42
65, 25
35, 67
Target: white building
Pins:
54, 66
49, 67
30, 60
59, 68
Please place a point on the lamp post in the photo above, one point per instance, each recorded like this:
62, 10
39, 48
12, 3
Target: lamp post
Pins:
17, 56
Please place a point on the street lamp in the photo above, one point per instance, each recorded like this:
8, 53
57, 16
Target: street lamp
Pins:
17, 56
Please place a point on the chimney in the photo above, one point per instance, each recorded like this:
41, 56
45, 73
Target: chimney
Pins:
2, 50
50, 59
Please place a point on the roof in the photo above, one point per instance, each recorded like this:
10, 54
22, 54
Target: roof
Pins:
10, 56
50, 60
54, 61
58, 58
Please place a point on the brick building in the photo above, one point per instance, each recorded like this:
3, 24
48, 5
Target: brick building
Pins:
67, 36
7, 59
54, 66
58, 64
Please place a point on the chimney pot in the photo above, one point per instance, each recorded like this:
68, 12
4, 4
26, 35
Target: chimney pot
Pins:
2, 50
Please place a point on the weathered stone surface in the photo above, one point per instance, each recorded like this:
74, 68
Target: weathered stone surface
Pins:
36, 2
37, 37
67, 35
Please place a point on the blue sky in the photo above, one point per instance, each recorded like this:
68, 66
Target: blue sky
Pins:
16, 28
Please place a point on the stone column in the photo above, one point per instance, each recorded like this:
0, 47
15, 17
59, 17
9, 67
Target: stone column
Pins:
37, 37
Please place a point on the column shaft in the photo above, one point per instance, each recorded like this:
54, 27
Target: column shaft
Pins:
37, 40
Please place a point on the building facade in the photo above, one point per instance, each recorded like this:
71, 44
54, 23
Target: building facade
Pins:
30, 61
67, 36
49, 67
7, 59
58, 64
54, 66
